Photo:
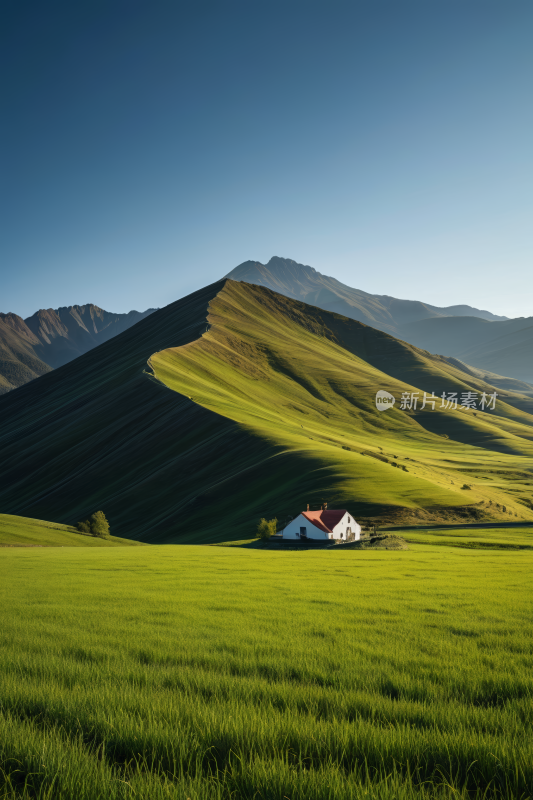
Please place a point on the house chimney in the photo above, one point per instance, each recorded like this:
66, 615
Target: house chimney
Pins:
325, 506
308, 506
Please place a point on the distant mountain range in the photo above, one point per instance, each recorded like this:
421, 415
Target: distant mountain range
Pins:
53, 337
493, 348
494, 345
504, 347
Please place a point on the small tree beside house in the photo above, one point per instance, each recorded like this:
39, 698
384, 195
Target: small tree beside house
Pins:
267, 528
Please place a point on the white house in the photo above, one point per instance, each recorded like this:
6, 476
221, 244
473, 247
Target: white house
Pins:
323, 524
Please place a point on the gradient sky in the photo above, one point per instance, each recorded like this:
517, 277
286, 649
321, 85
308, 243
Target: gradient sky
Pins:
149, 147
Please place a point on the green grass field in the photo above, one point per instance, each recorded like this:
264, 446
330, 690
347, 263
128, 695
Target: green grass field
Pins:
220, 672
25, 532
485, 538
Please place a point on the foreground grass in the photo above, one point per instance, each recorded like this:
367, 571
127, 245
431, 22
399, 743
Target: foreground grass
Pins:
23, 531
212, 672
474, 538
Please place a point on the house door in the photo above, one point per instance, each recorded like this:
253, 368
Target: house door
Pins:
303, 533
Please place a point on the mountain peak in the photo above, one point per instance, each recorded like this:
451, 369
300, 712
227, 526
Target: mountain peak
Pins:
279, 262
305, 283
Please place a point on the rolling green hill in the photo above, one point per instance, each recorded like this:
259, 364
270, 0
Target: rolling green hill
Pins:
236, 403
25, 532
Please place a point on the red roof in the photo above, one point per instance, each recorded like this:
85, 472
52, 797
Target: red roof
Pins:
324, 520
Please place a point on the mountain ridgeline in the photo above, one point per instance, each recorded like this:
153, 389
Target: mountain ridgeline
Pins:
237, 402
493, 344
53, 337
304, 283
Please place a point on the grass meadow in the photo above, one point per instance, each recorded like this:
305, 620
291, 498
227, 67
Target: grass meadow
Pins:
477, 538
213, 672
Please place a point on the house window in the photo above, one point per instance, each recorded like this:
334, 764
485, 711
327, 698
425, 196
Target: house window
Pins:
303, 531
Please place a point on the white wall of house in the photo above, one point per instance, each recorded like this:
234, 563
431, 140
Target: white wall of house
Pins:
340, 531
292, 530
345, 527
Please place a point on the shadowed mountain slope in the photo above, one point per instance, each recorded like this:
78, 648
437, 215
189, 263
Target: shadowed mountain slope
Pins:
98, 432
53, 337
255, 404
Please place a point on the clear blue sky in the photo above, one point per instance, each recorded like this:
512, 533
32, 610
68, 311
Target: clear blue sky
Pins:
149, 147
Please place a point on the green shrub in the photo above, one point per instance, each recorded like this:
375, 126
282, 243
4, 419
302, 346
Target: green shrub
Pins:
84, 527
266, 528
99, 524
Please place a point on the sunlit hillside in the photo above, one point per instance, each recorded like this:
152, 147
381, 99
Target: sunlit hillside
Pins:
27, 532
236, 403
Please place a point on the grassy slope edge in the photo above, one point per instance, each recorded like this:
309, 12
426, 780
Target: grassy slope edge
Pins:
25, 532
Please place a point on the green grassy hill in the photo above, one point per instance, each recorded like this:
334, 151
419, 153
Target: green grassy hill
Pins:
236, 403
25, 532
